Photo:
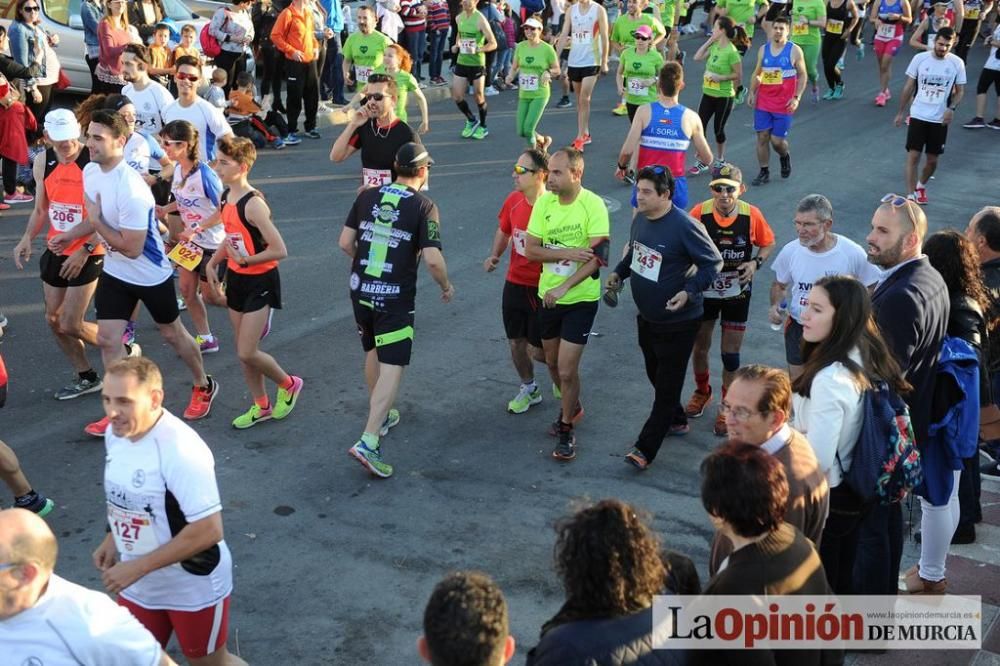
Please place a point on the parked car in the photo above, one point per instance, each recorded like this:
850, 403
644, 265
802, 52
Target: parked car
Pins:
62, 17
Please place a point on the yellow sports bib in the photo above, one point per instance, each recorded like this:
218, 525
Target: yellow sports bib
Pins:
834, 27
771, 76
800, 29
186, 255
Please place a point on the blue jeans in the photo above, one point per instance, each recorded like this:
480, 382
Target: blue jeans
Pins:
331, 80
503, 63
437, 39
416, 44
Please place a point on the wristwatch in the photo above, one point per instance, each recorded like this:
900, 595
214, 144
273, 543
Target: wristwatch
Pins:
243, 263
758, 261
89, 247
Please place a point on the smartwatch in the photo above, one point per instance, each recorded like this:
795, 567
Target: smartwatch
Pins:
758, 261
89, 247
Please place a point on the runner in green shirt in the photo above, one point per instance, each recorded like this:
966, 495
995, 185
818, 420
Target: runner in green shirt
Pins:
723, 72
535, 65
669, 15
746, 13
475, 39
364, 49
623, 30
568, 233
638, 68
808, 21
397, 63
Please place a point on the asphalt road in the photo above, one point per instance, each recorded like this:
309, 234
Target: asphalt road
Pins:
334, 567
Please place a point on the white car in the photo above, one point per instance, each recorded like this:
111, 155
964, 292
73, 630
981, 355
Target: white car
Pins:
62, 17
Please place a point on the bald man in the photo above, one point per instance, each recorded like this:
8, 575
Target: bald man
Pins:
45, 619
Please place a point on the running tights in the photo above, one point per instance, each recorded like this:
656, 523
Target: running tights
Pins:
833, 49
529, 114
717, 109
811, 53
937, 526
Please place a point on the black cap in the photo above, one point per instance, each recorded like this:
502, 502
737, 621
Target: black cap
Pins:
412, 155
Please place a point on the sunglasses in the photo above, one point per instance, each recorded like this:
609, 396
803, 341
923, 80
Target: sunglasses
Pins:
181, 76
720, 189
899, 201
641, 39
378, 97
31, 9
520, 170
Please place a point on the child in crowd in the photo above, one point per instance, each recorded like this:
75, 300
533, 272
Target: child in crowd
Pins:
187, 47
244, 116
214, 94
161, 67
15, 123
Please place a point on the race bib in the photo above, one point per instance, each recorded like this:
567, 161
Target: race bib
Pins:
519, 240
187, 255
582, 37
238, 245
646, 261
834, 27
972, 13
64, 217
362, 73
527, 82
132, 531
725, 285
800, 29
564, 268
637, 88
886, 31
931, 94
770, 76
710, 84
468, 45
375, 177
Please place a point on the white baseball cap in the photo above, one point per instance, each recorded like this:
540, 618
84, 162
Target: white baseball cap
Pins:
61, 125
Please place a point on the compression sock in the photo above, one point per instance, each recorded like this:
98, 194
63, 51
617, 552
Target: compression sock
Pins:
263, 402
463, 106
482, 114
288, 383
370, 440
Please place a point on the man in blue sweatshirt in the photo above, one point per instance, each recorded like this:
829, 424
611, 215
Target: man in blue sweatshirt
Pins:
665, 245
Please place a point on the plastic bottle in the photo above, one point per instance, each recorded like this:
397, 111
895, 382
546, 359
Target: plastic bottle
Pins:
782, 312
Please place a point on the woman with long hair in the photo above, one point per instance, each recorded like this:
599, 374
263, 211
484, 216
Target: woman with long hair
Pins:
396, 62
955, 258
723, 75
844, 355
113, 34
32, 47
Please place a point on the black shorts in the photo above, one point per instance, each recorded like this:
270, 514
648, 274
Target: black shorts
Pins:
571, 323
988, 77
578, 74
925, 137
469, 72
249, 293
734, 311
775, 10
116, 299
50, 264
793, 342
390, 334
520, 313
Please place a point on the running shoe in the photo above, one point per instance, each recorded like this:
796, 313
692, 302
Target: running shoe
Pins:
860, 52
921, 197
470, 127
18, 198
133, 350
975, 123
888, 94
994, 124
763, 178
564, 102
277, 143
991, 450
371, 459
313, 134
629, 177
741, 96
524, 400
991, 468
285, 401
587, 140
4, 206
697, 403
881, 99
201, 400
678, 430
828, 95
786, 165
840, 64
36, 503
481, 133
97, 428
720, 428
838, 92
636, 459
620, 110
78, 387
490, 91
697, 168
565, 449
578, 144
814, 94
391, 421
256, 414
291, 139
3, 322
577, 415
207, 346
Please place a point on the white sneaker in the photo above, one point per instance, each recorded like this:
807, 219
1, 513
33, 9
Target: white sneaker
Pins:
490, 91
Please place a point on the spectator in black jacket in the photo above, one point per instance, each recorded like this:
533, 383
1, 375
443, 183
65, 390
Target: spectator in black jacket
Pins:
144, 15
911, 308
984, 232
610, 565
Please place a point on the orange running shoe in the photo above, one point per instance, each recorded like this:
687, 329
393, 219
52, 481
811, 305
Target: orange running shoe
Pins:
696, 405
97, 428
201, 400
720, 428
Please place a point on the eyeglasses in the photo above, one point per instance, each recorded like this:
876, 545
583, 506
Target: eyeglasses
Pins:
899, 201
31, 9
520, 170
738, 413
723, 189
181, 76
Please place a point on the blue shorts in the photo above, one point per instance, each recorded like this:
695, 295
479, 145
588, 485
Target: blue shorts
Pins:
779, 124
680, 196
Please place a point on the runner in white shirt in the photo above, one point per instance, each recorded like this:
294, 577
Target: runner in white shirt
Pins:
196, 225
817, 252
935, 83
990, 76
164, 555
585, 34
149, 97
46, 620
120, 208
207, 119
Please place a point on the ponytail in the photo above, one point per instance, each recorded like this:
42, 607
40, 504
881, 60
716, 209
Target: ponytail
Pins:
739, 38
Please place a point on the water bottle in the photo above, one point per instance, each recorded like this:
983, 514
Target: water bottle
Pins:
782, 312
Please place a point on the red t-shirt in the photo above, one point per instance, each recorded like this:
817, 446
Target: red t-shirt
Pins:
514, 216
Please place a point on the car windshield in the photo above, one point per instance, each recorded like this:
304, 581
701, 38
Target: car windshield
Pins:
61, 10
